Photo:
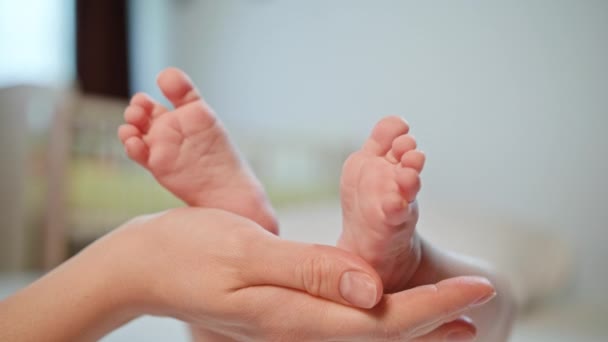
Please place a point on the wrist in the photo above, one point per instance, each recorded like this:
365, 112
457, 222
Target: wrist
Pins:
134, 267
122, 272
79, 300
100, 280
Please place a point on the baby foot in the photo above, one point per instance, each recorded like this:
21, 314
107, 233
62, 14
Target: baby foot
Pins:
378, 189
188, 151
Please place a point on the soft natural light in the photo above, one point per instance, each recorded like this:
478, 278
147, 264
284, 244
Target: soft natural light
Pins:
36, 42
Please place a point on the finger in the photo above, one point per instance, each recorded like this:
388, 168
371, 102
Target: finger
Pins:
321, 271
407, 314
398, 317
461, 329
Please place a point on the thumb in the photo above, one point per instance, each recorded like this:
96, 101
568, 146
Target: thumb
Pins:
320, 270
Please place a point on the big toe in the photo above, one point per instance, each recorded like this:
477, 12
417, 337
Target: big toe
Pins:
383, 134
177, 87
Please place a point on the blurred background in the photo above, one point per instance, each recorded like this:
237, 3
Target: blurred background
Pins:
509, 100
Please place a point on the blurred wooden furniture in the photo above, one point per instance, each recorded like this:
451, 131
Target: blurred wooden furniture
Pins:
13, 104
33, 230
78, 119
42, 132
54, 235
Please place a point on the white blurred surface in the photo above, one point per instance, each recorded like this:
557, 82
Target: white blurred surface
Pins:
37, 41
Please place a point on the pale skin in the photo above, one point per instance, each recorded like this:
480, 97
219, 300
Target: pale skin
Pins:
189, 152
378, 190
227, 275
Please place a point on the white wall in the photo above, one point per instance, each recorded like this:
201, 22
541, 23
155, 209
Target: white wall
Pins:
510, 101
149, 46
37, 42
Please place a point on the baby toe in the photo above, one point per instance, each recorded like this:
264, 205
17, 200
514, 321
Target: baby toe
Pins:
395, 209
138, 117
401, 145
413, 159
148, 104
177, 87
408, 180
383, 134
136, 149
126, 131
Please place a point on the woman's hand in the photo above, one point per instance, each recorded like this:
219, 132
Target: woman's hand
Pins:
222, 272
229, 276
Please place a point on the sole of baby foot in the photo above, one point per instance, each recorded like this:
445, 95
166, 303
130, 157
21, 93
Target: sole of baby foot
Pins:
189, 152
378, 191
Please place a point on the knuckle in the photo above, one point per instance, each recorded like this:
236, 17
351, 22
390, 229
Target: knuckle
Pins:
312, 272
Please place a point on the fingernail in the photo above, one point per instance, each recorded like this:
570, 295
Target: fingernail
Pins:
460, 335
359, 289
484, 299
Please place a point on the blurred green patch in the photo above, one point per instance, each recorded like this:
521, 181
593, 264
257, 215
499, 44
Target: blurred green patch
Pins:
103, 195
102, 186
94, 184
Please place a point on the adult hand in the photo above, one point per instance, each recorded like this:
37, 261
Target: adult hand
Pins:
222, 272
227, 275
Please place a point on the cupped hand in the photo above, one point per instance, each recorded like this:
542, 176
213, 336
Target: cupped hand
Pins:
227, 275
